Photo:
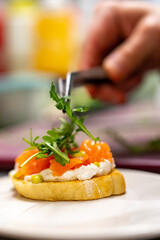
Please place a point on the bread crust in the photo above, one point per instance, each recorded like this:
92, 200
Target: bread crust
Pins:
95, 188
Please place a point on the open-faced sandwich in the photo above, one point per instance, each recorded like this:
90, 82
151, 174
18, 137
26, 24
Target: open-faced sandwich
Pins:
57, 169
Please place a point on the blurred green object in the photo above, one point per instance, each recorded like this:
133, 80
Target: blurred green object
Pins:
148, 88
22, 97
81, 98
151, 146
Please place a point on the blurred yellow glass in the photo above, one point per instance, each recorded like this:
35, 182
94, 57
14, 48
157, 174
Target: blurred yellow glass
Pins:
56, 40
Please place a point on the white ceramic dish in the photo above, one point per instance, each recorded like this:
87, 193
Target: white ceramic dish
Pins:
134, 215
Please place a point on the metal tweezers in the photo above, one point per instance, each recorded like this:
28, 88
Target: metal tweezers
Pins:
94, 76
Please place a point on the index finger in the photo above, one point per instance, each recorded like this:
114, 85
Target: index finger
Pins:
102, 36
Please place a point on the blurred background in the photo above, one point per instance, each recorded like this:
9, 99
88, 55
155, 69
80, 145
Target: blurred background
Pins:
41, 40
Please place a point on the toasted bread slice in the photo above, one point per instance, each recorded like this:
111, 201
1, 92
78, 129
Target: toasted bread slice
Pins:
97, 187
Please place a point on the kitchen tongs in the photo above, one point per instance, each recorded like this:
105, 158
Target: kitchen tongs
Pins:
94, 76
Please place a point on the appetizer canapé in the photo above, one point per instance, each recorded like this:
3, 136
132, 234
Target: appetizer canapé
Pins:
57, 169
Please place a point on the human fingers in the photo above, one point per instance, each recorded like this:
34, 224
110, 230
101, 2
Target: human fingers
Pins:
112, 22
107, 93
114, 94
130, 83
102, 36
131, 55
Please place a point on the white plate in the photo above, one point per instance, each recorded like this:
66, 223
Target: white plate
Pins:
133, 215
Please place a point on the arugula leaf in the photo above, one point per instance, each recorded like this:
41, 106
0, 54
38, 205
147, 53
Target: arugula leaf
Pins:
53, 94
34, 155
64, 105
60, 142
81, 109
59, 156
53, 143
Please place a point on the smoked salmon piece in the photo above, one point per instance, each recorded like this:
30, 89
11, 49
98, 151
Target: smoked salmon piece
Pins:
58, 169
97, 152
92, 152
33, 166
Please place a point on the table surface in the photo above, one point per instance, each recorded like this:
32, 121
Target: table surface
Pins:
106, 119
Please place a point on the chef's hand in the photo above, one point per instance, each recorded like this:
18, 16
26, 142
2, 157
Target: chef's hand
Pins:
125, 38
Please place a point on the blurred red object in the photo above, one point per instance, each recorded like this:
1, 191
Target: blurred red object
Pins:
3, 26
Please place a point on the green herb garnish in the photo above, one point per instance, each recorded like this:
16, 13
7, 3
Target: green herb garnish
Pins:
60, 142
64, 105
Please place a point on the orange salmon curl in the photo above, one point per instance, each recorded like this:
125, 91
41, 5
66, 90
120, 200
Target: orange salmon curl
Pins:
90, 152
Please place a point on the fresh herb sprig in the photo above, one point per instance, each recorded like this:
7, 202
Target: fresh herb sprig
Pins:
64, 105
60, 142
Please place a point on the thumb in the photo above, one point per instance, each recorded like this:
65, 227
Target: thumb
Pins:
128, 57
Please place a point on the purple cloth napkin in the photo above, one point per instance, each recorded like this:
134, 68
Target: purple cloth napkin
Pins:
146, 163
136, 122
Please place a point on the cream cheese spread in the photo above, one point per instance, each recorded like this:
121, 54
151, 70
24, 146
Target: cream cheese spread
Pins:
81, 173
